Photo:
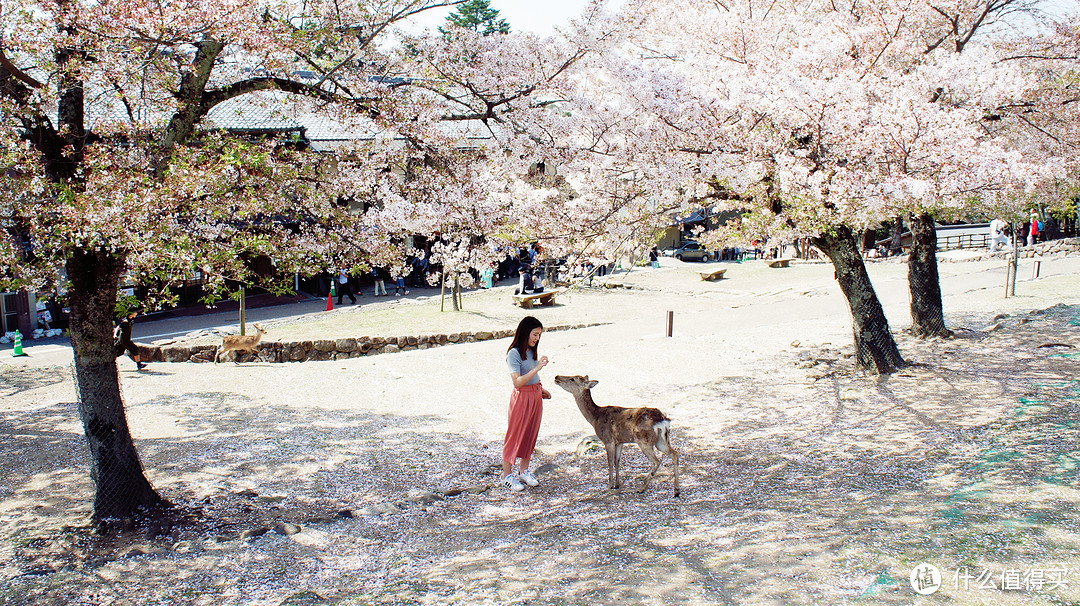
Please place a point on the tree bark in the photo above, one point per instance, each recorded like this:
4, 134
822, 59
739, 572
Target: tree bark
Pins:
927, 314
122, 490
875, 348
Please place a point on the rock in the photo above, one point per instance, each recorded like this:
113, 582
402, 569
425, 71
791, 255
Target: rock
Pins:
307, 345
324, 345
409, 341
589, 445
377, 341
427, 497
253, 533
305, 598
795, 343
345, 514
320, 356
247, 492
287, 529
453, 337
993, 328
1023, 321
380, 509
390, 348
183, 547
547, 468
297, 353
999, 317
271, 498
364, 347
177, 354
346, 345
441, 339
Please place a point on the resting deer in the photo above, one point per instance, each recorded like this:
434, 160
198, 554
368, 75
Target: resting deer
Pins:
615, 426
246, 343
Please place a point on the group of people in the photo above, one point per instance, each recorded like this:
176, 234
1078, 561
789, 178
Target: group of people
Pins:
1034, 230
416, 272
343, 285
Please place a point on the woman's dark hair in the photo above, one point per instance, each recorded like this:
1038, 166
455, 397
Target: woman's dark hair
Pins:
521, 336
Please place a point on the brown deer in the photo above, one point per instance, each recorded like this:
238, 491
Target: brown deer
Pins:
237, 343
615, 426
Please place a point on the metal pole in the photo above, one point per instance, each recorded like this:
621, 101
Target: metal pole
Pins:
670, 322
243, 311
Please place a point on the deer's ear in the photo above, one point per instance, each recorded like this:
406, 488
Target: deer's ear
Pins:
591, 384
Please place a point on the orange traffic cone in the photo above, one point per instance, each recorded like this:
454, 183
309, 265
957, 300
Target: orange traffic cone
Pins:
329, 302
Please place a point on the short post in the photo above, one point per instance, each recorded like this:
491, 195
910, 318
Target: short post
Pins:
243, 311
670, 321
1035, 269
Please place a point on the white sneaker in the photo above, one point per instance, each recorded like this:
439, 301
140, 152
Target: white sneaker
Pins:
514, 484
528, 478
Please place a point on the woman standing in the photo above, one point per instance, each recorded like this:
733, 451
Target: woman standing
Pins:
526, 402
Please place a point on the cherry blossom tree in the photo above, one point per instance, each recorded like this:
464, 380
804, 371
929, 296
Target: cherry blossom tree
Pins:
822, 118
114, 162
111, 166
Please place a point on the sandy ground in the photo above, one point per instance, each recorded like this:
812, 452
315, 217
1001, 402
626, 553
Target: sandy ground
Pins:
803, 482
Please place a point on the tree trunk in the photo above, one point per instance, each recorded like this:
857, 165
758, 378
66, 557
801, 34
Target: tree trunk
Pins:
875, 348
927, 315
122, 490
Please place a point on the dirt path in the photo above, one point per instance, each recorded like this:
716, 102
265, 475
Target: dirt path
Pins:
803, 483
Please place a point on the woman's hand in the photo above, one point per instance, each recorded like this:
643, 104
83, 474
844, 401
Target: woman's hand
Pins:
545, 394
543, 362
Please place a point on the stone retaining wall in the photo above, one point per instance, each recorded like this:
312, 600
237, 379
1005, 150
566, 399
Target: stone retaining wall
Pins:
331, 349
1064, 247
1059, 248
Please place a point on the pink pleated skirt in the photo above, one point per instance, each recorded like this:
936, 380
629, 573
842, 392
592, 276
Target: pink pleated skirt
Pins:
526, 409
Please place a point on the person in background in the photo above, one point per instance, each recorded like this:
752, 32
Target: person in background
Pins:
420, 268
380, 280
123, 342
997, 235
399, 286
1033, 231
344, 288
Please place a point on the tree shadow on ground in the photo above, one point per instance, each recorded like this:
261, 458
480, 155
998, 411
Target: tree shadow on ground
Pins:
799, 487
830, 493
237, 465
15, 380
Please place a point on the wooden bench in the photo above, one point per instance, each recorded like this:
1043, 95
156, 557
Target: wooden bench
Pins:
541, 298
709, 276
778, 262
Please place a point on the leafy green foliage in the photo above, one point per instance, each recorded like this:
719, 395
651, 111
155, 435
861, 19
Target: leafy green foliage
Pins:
477, 16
